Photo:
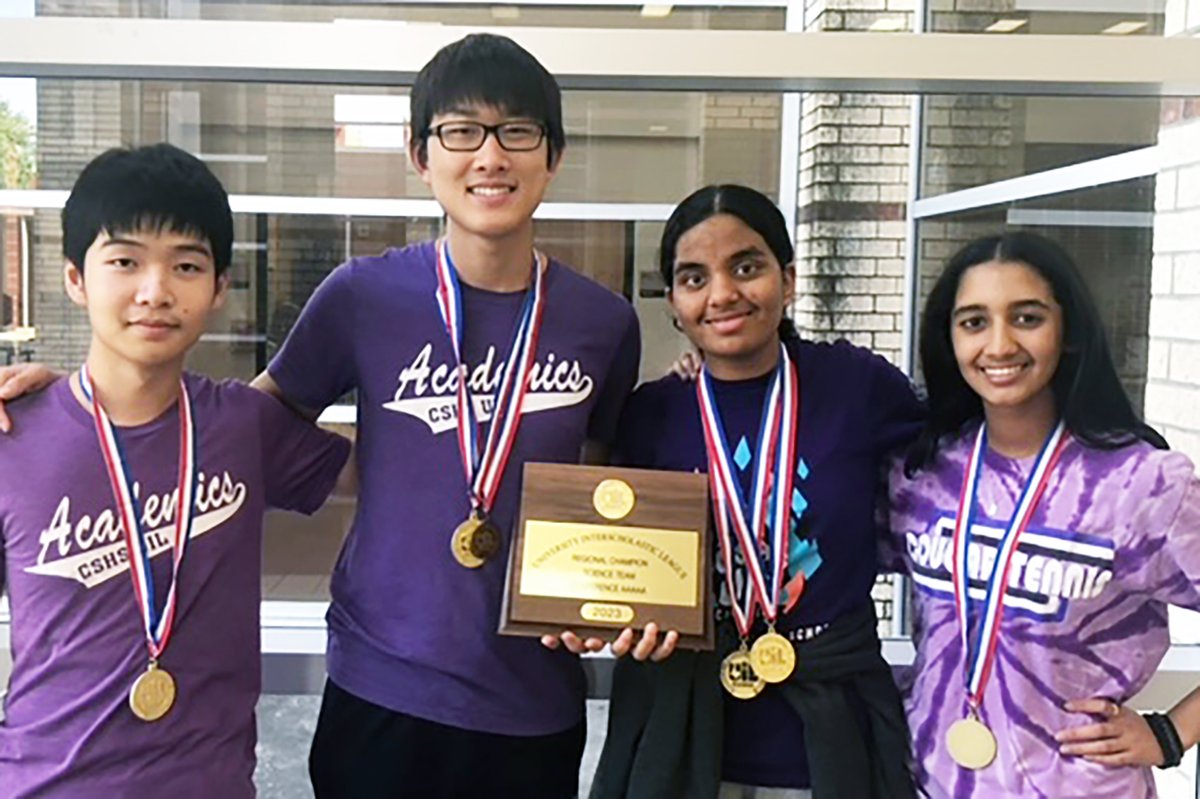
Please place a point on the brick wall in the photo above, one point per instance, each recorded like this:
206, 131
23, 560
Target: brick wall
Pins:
1173, 385
10, 269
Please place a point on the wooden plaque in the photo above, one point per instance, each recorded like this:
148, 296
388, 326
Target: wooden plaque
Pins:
597, 549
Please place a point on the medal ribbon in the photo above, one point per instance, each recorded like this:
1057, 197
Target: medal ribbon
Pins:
980, 660
772, 483
485, 468
157, 624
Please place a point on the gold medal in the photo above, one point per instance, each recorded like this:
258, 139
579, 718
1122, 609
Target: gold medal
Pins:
738, 675
773, 657
971, 744
152, 694
613, 499
460, 543
474, 541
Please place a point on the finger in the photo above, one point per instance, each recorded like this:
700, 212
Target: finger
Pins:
668, 646
1106, 746
623, 642
1122, 759
1087, 732
572, 642
550, 641
645, 647
1098, 706
594, 644
5, 422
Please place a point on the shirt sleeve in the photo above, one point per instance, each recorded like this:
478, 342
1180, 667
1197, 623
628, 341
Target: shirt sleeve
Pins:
316, 363
301, 461
895, 408
619, 380
1163, 553
891, 538
633, 445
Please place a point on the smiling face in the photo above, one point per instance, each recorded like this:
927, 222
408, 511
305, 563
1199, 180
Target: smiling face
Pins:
148, 295
1007, 333
490, 192
729, 293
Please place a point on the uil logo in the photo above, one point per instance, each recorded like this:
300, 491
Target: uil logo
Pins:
739, 677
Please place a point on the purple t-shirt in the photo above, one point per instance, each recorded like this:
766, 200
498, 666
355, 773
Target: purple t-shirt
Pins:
854, 408
409, 628
1115, 538
77, 639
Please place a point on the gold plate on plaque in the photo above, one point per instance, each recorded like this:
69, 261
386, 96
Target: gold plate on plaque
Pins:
606, 613
598, 563
613, 499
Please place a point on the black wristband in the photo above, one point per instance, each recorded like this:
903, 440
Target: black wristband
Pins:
1167, 737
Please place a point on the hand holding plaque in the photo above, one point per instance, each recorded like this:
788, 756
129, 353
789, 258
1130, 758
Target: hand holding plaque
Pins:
598, 549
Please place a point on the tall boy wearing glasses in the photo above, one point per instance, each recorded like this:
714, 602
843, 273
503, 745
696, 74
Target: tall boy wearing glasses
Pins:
423, 697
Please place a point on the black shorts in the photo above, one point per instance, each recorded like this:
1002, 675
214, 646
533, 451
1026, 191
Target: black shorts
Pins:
364, 751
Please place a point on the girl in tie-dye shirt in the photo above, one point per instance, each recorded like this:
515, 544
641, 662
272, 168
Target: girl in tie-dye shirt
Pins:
1012, 340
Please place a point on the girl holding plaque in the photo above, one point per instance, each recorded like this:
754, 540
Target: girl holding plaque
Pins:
793, 436
1046, 528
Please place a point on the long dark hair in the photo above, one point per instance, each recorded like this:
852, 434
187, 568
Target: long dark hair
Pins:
748, 205
1087, 392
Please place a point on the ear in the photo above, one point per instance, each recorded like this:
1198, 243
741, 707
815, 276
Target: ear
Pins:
73, 282
222, 290
555, 163
418, 156
789, 285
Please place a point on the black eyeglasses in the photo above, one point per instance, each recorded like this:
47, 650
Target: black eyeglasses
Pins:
464, 137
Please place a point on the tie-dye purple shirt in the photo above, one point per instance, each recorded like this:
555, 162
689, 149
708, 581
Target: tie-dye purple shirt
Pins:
1115, 538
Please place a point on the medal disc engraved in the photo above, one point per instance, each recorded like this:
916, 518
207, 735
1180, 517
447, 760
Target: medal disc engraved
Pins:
773, 657
971, 744
485, 540
738, 676
152, 694
461, 543
613, 499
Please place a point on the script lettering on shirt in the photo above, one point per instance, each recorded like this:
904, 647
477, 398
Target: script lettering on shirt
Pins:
427, 391
91, 550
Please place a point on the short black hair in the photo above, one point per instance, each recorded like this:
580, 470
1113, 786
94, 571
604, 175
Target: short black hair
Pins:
156, 187
752, 207
490, 70
1087, 391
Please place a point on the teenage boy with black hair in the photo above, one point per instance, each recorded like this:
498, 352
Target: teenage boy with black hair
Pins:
424, 698
133, 466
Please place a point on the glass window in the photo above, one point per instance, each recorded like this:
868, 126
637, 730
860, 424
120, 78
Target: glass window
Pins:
349, 141
1057, 17
768, 17
1107, 229
972, 140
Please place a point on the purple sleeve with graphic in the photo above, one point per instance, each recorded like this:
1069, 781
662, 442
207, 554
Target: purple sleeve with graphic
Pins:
1113, 540
301, 461
618, 383
316, 363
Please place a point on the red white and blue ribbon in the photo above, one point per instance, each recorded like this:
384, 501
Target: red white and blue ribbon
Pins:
981, 658
157, 623
484, 466
759, 528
